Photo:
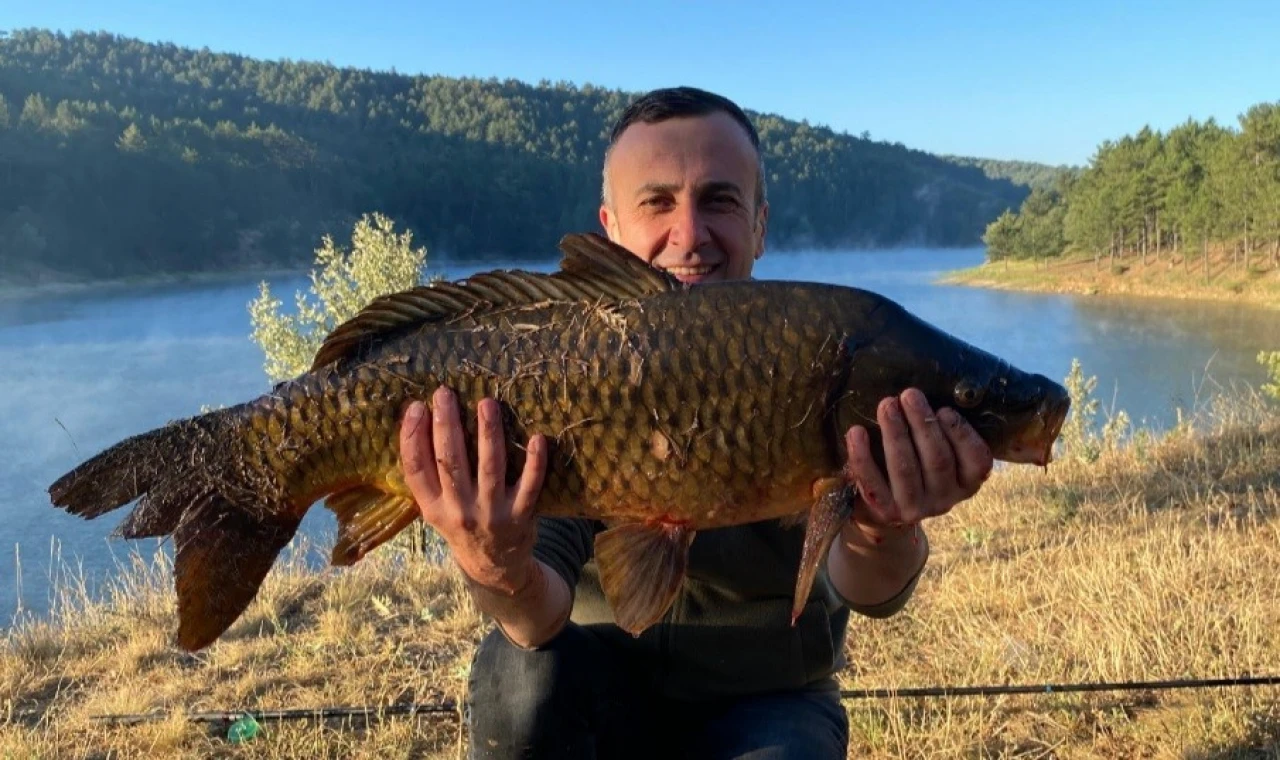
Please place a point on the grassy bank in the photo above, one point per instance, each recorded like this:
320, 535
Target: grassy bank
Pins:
1170, 276
1156, 559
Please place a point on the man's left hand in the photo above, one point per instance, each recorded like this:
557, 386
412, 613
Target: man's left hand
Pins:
934, 462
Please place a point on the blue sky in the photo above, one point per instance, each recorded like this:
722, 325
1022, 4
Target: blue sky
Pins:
1041, 81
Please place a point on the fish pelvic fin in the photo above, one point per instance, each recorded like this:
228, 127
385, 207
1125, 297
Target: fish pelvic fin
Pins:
367, 517
833, 508
592, 269
641, 568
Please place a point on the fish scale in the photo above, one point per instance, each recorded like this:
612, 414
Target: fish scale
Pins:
668, 410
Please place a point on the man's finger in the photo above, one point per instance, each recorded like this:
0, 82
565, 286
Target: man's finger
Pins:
491, 453
973, 455
937, 462
531, 477
900, 457
451, 452
866, 475
417, 457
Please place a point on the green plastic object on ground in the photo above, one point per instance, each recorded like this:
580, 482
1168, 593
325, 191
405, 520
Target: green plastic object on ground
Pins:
243, 730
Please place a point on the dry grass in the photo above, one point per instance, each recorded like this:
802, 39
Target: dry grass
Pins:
1157, 561
1167, 277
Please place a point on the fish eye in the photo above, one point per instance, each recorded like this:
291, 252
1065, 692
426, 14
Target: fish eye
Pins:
969, 394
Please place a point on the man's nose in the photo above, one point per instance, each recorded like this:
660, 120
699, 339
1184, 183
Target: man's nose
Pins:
689, 230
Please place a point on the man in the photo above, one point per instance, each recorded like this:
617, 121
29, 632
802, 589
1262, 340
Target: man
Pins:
723, 674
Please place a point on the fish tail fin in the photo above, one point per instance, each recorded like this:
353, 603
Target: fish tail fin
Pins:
228, 519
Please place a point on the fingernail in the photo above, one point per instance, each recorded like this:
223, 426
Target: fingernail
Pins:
482, 412
895, 409
915, 398
442, 399
414, 412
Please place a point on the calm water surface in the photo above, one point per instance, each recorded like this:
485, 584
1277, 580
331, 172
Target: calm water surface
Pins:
81, 372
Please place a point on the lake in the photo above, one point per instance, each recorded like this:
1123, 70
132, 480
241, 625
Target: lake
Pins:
82, 371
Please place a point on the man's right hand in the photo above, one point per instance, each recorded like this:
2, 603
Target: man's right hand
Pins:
490, 529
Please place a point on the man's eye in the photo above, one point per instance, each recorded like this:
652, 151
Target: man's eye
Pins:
724, 201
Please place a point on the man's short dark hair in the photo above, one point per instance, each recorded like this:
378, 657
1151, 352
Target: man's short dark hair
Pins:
683, 102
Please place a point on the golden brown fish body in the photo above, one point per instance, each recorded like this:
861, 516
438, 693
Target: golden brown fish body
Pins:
668, 409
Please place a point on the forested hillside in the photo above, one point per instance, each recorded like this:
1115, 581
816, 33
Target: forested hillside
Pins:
120, 157
1201, 185
1027, 173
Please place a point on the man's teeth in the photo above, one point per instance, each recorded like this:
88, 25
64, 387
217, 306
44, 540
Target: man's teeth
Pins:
691, 271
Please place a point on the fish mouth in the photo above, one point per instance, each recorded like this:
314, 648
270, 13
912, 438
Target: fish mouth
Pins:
1034, 442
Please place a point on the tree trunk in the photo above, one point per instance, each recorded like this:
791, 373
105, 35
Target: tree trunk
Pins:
1245, 266
1157, 236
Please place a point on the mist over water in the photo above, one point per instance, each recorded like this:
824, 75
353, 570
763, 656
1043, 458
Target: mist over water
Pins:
80, 372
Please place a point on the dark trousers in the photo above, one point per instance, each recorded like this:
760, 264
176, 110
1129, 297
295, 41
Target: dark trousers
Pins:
576, 698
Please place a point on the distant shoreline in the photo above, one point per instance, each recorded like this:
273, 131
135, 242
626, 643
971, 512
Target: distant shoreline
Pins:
16, 291
1165, 278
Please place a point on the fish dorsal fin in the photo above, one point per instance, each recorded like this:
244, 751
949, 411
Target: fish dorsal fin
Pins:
592, 269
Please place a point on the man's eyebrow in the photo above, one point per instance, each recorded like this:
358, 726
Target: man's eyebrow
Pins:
719, 186
714, 186
657, 187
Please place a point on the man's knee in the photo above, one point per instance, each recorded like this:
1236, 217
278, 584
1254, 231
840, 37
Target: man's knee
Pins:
534, 698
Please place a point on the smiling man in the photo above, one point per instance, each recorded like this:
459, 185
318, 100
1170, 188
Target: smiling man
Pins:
722, 675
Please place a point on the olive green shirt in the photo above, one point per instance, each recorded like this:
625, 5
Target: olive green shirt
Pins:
729, 630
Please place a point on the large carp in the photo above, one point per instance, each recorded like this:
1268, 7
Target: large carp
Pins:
668, 409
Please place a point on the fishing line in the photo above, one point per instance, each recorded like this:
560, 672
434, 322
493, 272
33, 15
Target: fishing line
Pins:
450, 706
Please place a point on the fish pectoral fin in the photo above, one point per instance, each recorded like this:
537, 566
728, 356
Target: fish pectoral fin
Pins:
833, 508
641, 568
367, 517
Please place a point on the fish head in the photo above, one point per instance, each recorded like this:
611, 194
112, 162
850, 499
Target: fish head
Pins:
1019, 414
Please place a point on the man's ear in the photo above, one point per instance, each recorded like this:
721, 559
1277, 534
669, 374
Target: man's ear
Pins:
609, 222
762, 226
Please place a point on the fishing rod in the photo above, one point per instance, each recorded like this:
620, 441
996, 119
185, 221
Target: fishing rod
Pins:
451, 706
1059, 688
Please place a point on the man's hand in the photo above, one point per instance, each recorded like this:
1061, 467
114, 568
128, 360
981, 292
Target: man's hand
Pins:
490, 529
934, 462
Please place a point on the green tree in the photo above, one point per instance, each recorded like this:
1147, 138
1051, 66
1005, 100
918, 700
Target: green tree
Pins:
1001, 237
35, 113
343, 282
131, 140
1271, 360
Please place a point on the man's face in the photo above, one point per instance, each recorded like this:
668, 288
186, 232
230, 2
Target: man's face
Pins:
682, 197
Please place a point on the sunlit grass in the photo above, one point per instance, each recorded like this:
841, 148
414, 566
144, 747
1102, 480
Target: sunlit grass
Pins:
1171, 276
1155, 559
